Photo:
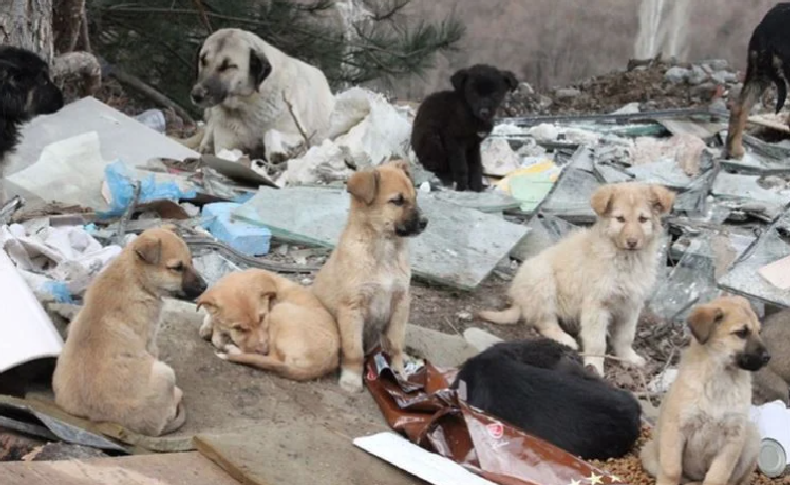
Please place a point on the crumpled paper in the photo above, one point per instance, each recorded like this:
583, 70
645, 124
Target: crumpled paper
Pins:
56, 262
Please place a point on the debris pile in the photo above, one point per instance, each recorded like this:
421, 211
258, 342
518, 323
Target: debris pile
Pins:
645, 86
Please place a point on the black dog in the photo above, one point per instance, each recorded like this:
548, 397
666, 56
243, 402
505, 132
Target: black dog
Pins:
542, 387
768, 62
450, 125
26, 90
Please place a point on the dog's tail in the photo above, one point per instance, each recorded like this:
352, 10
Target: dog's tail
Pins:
267, 362
510, 316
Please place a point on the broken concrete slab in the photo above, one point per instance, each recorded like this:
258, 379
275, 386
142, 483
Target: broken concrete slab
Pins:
744, 277
545, 231
459, 248
488, 202
687, 126
121, 137
298, 453
665, 172
747, 189
570, 199
480, 339
172, 469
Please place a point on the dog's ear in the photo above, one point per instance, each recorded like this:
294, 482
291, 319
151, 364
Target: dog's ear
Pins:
661, 199
260, 67
402, 165
207, 300
197, 60
148, 249
601, 200
458, 80
510, 80
703, 321
364, 185
267, 299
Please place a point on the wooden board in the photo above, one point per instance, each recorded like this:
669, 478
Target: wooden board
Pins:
170, 469
298, 453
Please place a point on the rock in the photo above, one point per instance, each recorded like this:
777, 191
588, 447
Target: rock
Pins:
480, 339
677, 75
629, 109
525, 89
545, 102
544, 132
441, 349
718, 64
464, 316
567, 93
498, 158
697, 76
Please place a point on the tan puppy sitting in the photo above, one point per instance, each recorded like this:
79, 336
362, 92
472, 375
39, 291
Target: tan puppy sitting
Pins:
703, 432
109, 369
365, 282
262, 313
595, 281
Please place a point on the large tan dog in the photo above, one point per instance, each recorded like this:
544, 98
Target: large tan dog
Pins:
272, 323
248, 88
365, 283
109, 369
703, 432
596, 280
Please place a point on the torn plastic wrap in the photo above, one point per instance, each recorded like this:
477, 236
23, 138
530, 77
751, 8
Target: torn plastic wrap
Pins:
431, 415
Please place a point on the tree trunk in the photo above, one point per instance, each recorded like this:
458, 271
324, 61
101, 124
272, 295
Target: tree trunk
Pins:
27, 24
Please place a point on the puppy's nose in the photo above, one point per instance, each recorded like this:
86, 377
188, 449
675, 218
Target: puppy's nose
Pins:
485, 112
631, 242
198, 94
423, 222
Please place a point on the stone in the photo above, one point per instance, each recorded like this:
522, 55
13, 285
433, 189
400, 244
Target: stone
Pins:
697, 76
677, 75
567, 93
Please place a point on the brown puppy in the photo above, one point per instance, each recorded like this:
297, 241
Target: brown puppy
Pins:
365, 282
596, 280
263, 313
109, 368
703, 432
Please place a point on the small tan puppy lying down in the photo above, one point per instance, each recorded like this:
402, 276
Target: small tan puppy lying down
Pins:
595, 281
109, 369
266, 321
365, 283
703, 432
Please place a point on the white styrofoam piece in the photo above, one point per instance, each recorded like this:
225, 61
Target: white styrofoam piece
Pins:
27, 332
420, 462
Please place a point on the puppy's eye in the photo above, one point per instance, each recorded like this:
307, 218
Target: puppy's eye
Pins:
742, 333
399, 200
642, 219
241, 329
226, 66
621, 219
179, 267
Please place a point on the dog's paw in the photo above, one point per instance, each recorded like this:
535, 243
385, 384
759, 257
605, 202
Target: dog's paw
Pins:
630, 357
566, 339
351, 381
231, 349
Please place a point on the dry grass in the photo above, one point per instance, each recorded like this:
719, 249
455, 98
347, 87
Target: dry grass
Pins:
555, 42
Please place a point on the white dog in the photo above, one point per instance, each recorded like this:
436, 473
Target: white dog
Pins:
257, 97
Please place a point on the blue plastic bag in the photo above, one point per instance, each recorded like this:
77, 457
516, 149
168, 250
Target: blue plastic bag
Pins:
120, 181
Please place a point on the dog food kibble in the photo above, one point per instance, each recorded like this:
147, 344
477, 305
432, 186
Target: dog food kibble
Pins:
629, 468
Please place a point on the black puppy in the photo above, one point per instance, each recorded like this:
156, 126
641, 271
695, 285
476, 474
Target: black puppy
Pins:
768, 62
450, 125
541, 387
26, 90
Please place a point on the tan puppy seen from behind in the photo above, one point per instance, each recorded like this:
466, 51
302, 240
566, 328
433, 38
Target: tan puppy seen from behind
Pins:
703, 433
595, 281
266, 321
365, 282
109, 370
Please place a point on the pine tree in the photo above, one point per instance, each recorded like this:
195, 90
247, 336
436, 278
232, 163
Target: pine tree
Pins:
352, 41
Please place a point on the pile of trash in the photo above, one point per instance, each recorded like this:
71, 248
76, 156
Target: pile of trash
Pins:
647, 85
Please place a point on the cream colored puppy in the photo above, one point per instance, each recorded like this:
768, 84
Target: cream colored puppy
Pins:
109, 368
703, 432
365, 283
595, 281
272, 324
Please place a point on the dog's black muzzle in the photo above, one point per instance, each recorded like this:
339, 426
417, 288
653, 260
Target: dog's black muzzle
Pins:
754, 359
413, 226
192, 285
47, 99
